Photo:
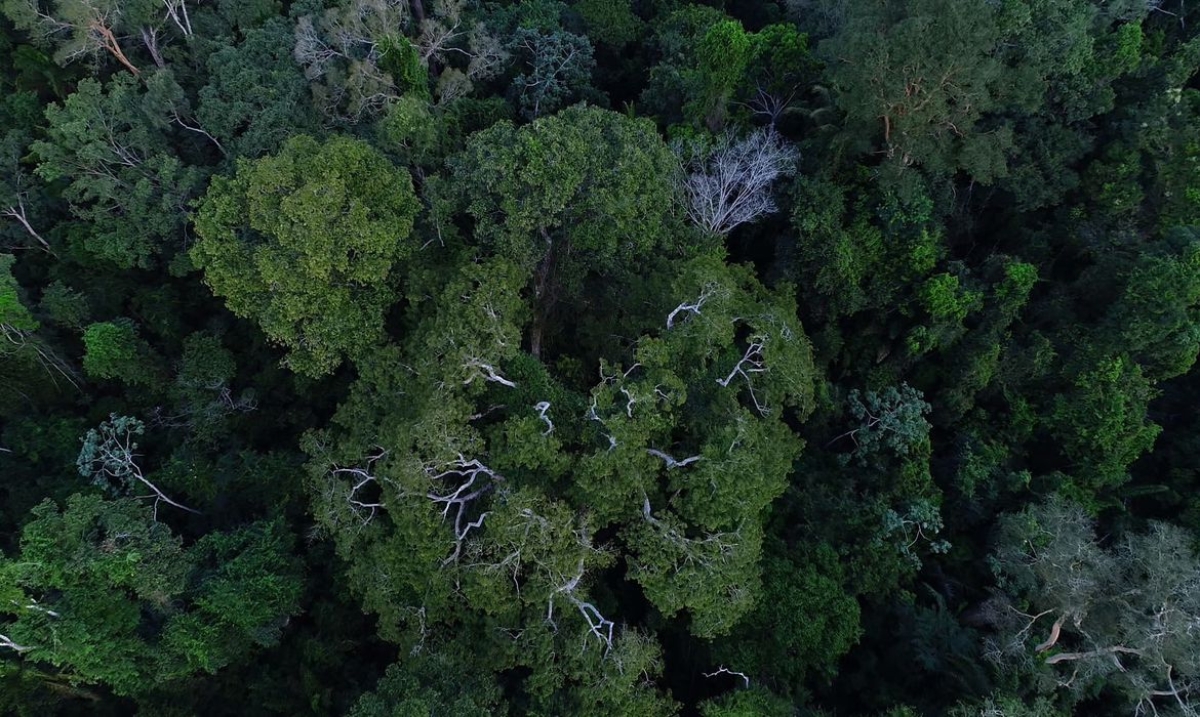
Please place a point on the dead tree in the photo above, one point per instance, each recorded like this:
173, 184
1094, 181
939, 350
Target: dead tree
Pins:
729, 183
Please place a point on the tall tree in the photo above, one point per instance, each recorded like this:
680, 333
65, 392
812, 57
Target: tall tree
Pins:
309, 244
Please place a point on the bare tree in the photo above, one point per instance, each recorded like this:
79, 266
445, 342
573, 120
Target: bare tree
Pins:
729, 183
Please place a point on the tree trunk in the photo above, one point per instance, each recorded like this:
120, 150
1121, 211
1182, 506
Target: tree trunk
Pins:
542, 297
109, 42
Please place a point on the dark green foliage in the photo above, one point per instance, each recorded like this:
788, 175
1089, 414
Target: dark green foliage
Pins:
110, 596
599, 357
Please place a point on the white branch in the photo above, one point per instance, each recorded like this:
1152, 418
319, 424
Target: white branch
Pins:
6, 641
177, 11
722, 670
692, 308
17, 212
542, 408
731, 184
116, 459
469, 480
361, 478
200, 130
33, 605
670, 461
598, 625
487, 372
750, 363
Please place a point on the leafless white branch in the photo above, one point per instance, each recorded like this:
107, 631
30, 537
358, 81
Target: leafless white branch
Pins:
693, 308
671, 462
722, 670
358, 480
6, 641
542, 408
730, 184
468, 480
598, 625
486, 371
750, 363
177, 11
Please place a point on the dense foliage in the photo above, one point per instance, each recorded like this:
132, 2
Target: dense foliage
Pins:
599, 357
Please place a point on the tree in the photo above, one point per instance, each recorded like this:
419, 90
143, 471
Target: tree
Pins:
892, 419
20, 199
1086, 616
363, 55
559, 66
584, 191
110, 596
711, 70
23, 350
256, 97
109, 457
729, 183
308, 243
442, 677
804, 622
113, 350
79, 28
920, 75
496, 493
109, 143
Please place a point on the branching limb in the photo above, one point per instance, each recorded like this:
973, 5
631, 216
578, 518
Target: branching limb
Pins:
150, 40
469, 480
177, 11
199, 130
731, 184
671, 462
693, 308
1073, 656
360, 479
598, 625
722, 670
110, 454
751, 363
17, 212
33, 605
481, 369
542, 408
6, 641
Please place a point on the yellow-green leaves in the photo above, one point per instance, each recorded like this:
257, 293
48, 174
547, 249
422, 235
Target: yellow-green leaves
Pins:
307, 243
